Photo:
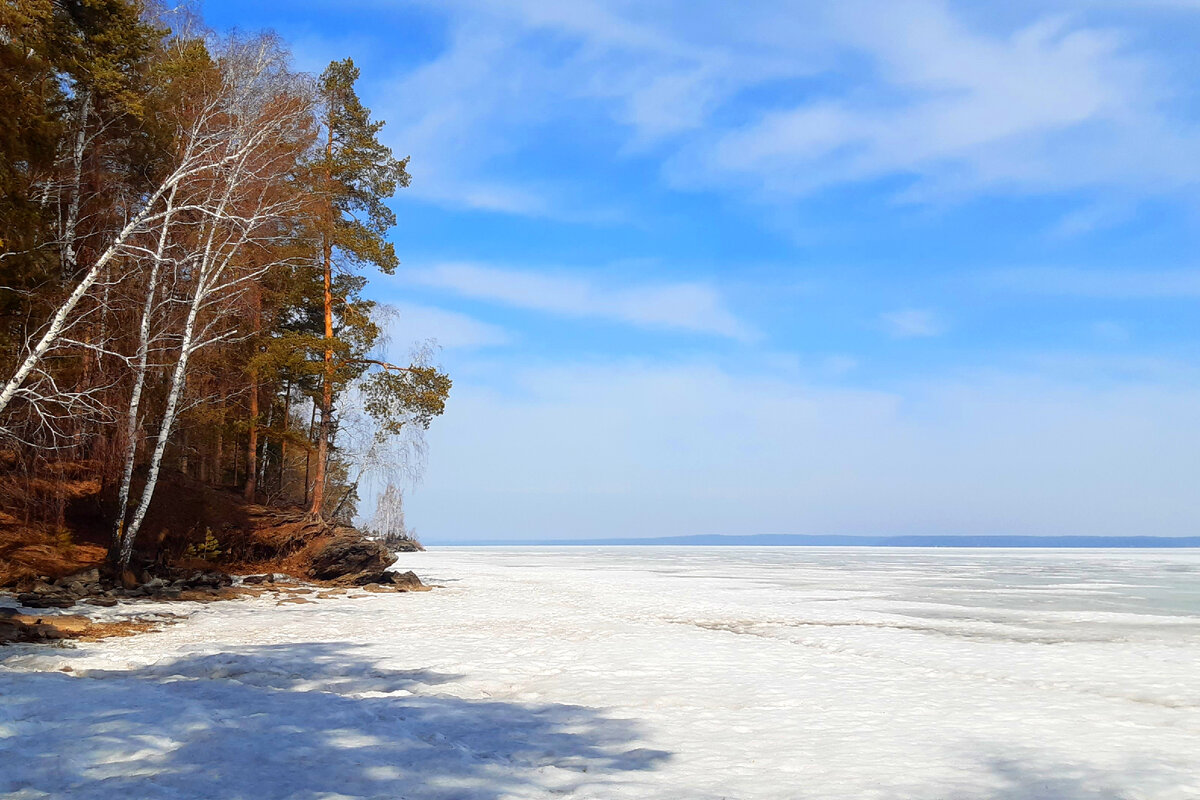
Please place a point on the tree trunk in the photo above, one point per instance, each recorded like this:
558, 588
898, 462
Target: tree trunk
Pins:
287, 426
219, 454
327, 378
58, 322
71, 225
139, 381
312, 420
252, 444
263, 452
178, 380
252, 441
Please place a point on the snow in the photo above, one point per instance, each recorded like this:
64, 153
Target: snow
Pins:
643, 673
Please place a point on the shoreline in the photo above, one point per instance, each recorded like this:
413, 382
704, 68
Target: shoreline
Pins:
86, 619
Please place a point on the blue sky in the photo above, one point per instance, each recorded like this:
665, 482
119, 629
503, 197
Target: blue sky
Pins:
788, 267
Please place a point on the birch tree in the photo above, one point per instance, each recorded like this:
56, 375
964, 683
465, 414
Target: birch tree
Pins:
74, 78
202, 147
254, 127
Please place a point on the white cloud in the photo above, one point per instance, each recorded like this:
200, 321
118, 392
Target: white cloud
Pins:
452, 330
1051, 107
694, 307
634, 449
912, 323
918, 90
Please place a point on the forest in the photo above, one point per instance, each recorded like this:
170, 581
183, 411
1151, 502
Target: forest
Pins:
187, 228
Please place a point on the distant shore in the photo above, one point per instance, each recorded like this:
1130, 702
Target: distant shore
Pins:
790, 540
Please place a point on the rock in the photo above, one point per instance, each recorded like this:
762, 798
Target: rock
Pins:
206, 580
45, 600
104, 602
279, 577
89, 576
20, 630
255, 580
129, 580
351, 557
407, 581
44, 631
155, 585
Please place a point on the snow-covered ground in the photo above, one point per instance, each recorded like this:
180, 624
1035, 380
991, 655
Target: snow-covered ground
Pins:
645, 673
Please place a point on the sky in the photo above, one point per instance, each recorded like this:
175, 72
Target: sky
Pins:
871, 268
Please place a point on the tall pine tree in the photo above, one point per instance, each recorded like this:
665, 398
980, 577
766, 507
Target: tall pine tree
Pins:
356, 174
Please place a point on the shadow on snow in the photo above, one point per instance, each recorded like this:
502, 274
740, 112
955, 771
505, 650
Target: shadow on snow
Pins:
294, 721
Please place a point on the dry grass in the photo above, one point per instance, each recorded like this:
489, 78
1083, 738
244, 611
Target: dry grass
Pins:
26, 554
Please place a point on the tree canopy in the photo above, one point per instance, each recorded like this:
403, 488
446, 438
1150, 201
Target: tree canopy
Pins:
187, 227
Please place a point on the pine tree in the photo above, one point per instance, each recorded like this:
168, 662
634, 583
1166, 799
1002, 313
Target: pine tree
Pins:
356, 174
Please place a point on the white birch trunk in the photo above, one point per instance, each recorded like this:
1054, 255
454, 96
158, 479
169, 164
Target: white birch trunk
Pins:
139, 380
178, 381
71, 226
58, 322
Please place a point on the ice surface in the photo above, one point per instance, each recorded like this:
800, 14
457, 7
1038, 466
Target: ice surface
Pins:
644, 673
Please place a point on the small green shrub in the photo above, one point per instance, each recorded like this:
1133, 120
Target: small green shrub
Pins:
208, 550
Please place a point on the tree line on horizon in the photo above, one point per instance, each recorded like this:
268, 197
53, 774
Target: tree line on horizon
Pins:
186, 226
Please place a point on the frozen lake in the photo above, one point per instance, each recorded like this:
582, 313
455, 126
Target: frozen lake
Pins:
646, 673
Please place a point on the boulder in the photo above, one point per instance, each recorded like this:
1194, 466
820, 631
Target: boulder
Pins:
88, 577
407, 581
205, 580
353, 558
45, 600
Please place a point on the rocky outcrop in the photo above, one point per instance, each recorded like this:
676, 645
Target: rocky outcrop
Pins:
398, 582
350, 557
195, 535
407, 581
94, 588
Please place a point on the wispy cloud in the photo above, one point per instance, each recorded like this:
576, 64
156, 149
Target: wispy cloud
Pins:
916, 91
694, 307
912, 323
1050, 107
1107, 284
452, 330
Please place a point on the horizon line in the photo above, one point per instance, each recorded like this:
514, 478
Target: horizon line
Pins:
839, 540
